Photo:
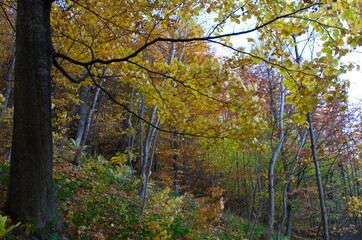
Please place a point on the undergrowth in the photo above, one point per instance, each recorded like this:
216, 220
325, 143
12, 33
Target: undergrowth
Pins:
100, 201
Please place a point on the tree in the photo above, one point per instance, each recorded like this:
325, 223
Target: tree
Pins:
318, 177
31, 191
271, 171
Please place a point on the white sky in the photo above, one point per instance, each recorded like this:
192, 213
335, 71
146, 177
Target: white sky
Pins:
355, 91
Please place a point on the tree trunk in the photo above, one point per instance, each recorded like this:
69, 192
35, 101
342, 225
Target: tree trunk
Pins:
176, 164
238, 186
318, 177
146, 147
287, 206
289, 224
78, 154
9, 85
131, 138
271, 188
149, 166
82, 112
31, 191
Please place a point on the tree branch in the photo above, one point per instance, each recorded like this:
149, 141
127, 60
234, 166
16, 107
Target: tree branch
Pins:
263, 59
161, 39
178, 81
148, 122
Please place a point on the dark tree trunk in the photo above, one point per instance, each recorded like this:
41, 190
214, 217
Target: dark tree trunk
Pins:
31, 191
176, 165
289, 225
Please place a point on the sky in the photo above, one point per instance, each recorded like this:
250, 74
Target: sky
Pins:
355, 76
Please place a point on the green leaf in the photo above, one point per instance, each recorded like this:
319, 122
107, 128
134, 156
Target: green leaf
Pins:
336, 33
324, 38
3, 230
327, 50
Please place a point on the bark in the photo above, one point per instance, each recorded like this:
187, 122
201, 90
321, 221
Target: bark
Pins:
318, 177
271, 188
287, 207
149, 166
8, 158
258, 187
175, 145
78, 154
82, 112
131, 139
146, 147
141, 112
8, 85
10, 75
238, 185
290, 218
31, 191
176, 166
301, 172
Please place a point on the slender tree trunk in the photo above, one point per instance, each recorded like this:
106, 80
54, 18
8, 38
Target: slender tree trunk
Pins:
249, 198
131, 138
10, 74
82, 112
11, 71
318, 177
271, 190
250, 205
78, 154
149, 166
8, 157
277, 149
287, 207
261, 200
176, 166
238, 184
141, 113
289, 224
31, 192
146, 147
175, 144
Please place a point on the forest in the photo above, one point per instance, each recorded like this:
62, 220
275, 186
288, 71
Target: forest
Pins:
180, 119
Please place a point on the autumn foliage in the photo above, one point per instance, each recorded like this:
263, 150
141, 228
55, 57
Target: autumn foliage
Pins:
166, 125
